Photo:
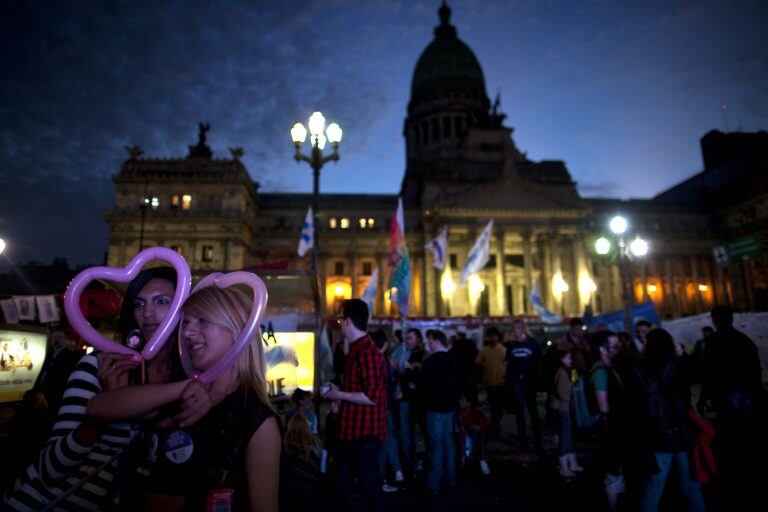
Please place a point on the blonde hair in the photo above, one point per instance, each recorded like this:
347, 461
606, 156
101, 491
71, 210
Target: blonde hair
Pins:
298, 437
230, 308
513, 336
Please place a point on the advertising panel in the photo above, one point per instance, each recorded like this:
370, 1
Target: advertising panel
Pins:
22, 354
290, 360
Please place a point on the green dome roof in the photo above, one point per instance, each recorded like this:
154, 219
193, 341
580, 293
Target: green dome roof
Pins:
447, 64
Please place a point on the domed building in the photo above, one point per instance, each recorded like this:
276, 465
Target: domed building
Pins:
462, 170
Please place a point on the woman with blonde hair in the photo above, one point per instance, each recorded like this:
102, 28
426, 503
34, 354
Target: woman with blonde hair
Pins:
301, 465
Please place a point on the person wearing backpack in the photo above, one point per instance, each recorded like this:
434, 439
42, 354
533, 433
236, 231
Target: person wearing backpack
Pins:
658, 408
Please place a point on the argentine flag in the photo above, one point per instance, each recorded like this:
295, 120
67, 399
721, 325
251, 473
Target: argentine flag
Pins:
439, 248
479, 255
307, 240
546, 316
369, 294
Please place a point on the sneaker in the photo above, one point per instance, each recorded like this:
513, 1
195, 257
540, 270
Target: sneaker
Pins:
484, 468
399, 476
389, 488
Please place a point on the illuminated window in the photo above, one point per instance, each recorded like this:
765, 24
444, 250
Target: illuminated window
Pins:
332, 223
344, 223
370, 223
338, 268
367, 268
154, 203
207, 253
178, 248
175, 201
186, 202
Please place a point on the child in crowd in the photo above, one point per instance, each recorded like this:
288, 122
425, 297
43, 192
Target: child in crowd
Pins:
560, 400
473, 435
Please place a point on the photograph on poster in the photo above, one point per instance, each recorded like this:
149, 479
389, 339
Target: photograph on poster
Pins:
22, 355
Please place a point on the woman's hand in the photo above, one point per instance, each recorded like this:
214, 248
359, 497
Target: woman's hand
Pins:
114, 370
196, 400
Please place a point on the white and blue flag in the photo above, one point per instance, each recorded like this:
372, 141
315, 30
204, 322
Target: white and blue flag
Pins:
369, 294
307, 240
546, 316
439, 248
479, 255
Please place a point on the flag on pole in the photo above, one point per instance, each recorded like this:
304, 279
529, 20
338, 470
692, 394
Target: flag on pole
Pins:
307, 239
399, 261
479, 255
546, 316
439, 248
369, 294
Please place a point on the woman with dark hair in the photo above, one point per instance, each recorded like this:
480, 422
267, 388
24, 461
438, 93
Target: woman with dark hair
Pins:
658, 405
79, 465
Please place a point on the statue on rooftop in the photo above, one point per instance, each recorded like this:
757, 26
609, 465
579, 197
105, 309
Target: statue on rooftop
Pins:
201, 149
134, 152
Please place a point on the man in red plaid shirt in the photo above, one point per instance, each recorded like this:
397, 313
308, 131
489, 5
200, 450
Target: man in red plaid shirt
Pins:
362, 424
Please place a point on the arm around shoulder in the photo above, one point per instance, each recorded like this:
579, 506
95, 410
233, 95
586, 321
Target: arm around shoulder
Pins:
262, 465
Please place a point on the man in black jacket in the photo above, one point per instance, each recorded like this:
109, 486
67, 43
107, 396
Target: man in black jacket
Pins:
440, 395
732, 385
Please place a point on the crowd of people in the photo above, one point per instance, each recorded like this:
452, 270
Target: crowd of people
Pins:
128, 436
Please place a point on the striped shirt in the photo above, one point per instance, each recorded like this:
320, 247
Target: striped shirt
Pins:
63, 461
364, 370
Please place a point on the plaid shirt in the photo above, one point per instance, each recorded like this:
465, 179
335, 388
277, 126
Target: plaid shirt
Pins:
365, 370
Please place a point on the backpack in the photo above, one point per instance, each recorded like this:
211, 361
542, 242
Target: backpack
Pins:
671, 428
586, 412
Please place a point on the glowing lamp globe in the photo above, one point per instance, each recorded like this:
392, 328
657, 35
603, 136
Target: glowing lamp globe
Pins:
618, 225
602, 246
298, 134
334, 133
316, 124
639, 247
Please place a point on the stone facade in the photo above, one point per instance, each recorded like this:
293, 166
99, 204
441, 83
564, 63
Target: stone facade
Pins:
462, 169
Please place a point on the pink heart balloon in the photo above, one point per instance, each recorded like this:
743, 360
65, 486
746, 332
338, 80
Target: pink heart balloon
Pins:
123, 275
249, 331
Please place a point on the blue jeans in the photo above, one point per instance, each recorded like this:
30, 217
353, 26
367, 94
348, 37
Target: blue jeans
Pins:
389, 450
566, 442
653, 487
358, 461
441, 450
407, 421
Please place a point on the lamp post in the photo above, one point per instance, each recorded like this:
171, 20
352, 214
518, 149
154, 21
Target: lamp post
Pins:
616, 248
319, 135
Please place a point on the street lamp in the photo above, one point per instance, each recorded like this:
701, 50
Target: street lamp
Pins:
624, 254
319, 135
2, 245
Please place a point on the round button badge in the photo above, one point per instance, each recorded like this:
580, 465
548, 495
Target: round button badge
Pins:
178, 447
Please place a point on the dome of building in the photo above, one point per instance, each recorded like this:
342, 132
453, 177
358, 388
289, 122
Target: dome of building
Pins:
447, 65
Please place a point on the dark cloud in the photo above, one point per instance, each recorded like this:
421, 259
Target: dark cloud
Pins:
604, 86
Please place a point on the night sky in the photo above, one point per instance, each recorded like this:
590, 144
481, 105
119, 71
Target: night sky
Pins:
622, 91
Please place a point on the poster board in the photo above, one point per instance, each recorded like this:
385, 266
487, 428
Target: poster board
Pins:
22, 354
